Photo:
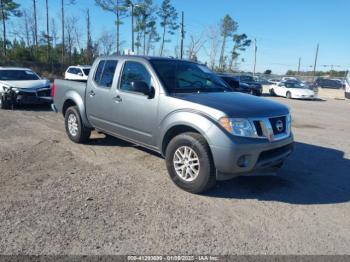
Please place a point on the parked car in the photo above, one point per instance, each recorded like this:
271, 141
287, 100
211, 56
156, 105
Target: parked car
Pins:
328, 83
22, 86
249, 80
181, 110
274, 81
347, 85
292, 89
78, 73
238, 86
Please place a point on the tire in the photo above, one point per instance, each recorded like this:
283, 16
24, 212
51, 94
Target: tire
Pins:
75, 128
4, 104
272, 92
289, 95
196, 147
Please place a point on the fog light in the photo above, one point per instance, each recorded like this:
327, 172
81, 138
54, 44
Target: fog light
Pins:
243, 161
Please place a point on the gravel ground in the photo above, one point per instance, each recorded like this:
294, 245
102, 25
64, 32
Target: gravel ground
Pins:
110, 197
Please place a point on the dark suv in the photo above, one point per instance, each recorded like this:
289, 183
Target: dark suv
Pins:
239, 86
328, 83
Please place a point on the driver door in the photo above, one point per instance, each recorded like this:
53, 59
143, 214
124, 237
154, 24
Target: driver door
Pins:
137, 112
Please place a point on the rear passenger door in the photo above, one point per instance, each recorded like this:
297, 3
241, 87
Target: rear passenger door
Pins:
99, 101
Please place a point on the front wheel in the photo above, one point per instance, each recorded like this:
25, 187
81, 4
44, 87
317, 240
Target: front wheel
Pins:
189, 163
289, 95
75, 128
272, 92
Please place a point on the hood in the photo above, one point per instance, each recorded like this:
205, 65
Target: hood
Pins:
237, 104
28, 84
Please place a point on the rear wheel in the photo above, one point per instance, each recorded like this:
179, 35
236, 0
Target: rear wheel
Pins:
75, 128
289, 95
189, 163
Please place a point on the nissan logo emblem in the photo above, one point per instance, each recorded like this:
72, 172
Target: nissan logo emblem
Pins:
279, 125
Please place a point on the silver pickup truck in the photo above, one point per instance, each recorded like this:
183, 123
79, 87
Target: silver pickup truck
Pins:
181, 110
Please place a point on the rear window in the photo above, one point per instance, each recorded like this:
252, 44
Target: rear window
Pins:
18, 75
105, 73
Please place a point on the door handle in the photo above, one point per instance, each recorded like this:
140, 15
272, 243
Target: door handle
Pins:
92, 93
118, 99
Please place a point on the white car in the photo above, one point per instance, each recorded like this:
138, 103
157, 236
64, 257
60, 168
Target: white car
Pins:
22, 86
347, 85
292, 89
78, 73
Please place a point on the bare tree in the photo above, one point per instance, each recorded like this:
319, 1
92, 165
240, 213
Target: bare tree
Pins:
106, 43
213, 34
196, 43
70, 29
25, 27
70, 2
54, 33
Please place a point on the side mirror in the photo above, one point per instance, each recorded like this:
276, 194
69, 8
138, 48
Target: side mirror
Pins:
141, 87
80, 74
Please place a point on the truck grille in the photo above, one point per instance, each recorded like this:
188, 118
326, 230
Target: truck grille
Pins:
273, 128
278, 125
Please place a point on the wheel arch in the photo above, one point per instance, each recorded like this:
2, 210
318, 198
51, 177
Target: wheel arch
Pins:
183, 122
74, 99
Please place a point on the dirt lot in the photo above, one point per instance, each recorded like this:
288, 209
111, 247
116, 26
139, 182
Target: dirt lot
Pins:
110, 197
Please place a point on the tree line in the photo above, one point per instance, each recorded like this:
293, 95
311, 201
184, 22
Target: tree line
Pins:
61, 42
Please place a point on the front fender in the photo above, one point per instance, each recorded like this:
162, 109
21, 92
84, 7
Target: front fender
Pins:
78, 100
196, 120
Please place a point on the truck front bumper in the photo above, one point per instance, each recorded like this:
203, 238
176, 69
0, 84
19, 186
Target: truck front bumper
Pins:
246, 156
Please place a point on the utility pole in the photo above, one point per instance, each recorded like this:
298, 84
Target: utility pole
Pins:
182, 35
316, 57
62, 14
3, 25
47, 30
132, 28
299, 65
255, 51
89, 40
35, 24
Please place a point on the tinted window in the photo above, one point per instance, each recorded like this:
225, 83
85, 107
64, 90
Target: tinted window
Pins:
105, 73
19, 75
233, 83
183, 76
246, 79
71, 71
86, 71
132, 72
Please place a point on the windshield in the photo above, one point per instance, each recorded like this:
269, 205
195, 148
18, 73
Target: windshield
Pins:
86, 71
17, 75
187, 77
246, 78
293, 85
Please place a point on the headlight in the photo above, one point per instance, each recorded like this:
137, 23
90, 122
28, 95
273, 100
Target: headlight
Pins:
289, 123
238, 126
